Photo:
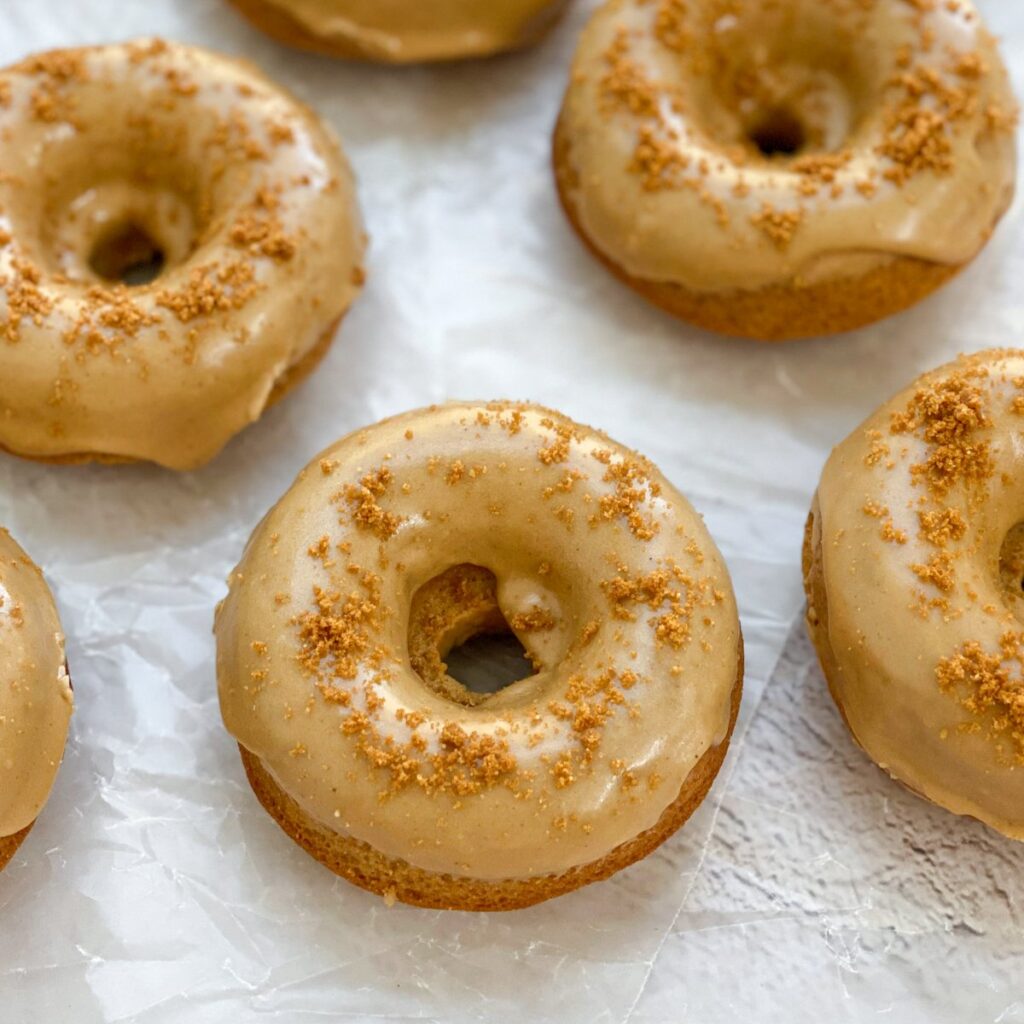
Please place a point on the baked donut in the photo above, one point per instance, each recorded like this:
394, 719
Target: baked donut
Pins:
178, 241
404, 31
403, 540
782, 170
35, 695
913, 563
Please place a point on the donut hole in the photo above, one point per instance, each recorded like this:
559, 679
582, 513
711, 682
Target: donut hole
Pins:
1011, 568
488, 662
776, 81
778, 133
118, 226
128, 254
460, 643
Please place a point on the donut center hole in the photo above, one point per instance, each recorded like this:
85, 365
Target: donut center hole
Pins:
127, 254
1011, 568
774, 81
460, 643
778, 132
488, 662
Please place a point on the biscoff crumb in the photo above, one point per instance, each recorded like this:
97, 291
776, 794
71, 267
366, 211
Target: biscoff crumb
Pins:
668, 590
537, 620
634, 489
364, 508
950, 415
938, 571
558, 449
892, 535
778, 225
262, 236
26, 300
211, 288
942, 526
658, 160
990, 687
624, 84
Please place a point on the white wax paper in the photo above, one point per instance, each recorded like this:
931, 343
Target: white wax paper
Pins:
807, 888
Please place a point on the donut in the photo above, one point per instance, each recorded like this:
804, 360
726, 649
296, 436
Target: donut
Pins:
785, 170
35, 695
179, 239
404, 31
401, 542
914, 570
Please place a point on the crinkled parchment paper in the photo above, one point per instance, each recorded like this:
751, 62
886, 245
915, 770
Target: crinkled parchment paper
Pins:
807, 888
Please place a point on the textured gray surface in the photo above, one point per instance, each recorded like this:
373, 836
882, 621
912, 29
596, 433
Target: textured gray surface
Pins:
829, 892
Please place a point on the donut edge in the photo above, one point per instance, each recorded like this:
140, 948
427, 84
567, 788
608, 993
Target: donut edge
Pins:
776, 313
283, 386
9, 844
394, 879
277, 24
817, 627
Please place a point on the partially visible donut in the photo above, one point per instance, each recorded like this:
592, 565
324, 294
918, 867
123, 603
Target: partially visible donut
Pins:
154, 160
402, 541
914, 568
781, 170
35, 695
404, 31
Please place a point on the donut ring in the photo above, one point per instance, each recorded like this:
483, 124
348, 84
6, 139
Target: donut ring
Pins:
913, 566
779, 171
193, 170
35, 695
404, 31
9, 845
397, 544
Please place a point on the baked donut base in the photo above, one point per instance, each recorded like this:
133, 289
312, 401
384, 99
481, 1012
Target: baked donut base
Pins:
395, 879
817, 607
779, 312
817, 627
279, 25
9, 845
288, 380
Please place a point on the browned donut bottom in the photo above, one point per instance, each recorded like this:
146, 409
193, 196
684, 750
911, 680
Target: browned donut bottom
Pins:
9, 845
279, 25
779, 312
817, 627
395, 879
290, 379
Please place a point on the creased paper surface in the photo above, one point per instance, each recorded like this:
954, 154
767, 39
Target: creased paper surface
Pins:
808, 887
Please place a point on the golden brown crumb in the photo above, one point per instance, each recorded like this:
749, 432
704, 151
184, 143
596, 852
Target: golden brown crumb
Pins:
634, 489
536, 620
366, 512
892, 535
624, 84
938, 572
943, 526
211, 288
262, 237
878, 449
668, 590
949, 414
779, 225
990, 688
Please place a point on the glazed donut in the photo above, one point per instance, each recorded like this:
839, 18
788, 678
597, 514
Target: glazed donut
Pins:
913, 563
404, 31
35, 695
782, 170
403, 540
153, 160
